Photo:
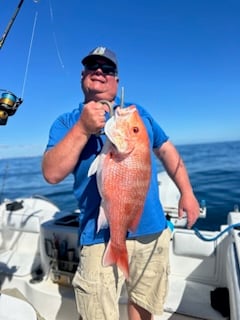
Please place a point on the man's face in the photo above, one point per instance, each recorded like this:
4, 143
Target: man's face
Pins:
99, 80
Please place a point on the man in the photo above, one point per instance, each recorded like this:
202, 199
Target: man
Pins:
74, 142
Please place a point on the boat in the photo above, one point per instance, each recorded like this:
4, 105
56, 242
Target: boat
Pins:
38, 258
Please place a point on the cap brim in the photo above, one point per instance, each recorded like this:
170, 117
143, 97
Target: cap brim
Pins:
94, 56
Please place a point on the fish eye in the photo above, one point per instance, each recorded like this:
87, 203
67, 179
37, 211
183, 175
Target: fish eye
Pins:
135, 129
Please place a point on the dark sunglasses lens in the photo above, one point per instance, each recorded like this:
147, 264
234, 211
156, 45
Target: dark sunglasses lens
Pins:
91, 67
107, 69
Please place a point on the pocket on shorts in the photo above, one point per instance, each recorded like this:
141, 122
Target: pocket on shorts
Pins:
95, 286
86, 296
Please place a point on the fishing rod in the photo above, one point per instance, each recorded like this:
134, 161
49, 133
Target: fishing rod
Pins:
10, 23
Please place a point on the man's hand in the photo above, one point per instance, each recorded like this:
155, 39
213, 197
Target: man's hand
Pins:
92, 119
189, 204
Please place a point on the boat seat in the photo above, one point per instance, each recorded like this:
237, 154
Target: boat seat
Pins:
19, 264
184, 247
26, 215
22, 220
197, 265
23, 257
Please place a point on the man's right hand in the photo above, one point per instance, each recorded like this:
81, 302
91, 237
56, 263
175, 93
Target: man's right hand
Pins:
92, 118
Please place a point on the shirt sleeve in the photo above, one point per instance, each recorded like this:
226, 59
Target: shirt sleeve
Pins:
156, 133
57, 131
159, 135
61, 126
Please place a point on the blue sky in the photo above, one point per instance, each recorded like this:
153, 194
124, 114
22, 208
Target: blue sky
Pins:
180, 59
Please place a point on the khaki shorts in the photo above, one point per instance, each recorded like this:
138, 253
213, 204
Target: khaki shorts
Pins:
98, 288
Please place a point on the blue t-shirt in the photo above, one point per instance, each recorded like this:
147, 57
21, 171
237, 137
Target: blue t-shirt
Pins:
85, 188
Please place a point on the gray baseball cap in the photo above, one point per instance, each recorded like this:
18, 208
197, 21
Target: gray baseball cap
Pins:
101, 52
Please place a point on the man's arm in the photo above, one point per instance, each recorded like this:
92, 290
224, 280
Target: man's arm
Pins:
176, 169
61, 160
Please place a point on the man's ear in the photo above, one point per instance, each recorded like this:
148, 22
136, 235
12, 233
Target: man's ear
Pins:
117, 79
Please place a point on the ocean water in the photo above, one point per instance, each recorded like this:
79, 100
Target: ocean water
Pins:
214, 170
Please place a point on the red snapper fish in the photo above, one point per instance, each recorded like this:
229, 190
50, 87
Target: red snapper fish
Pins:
123, 177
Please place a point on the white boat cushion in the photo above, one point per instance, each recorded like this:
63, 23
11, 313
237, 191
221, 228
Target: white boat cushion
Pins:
188, 244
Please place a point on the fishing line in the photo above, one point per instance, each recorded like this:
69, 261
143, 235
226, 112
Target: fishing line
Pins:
29, 54
54, 36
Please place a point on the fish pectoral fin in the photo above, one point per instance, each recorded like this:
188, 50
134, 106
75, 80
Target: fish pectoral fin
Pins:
94, 166
102, 219
117, 256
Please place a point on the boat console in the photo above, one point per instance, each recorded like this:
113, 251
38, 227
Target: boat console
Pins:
58, 247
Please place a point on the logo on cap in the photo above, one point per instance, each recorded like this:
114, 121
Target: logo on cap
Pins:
99, 50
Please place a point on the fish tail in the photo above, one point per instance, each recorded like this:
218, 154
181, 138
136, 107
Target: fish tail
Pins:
118, 256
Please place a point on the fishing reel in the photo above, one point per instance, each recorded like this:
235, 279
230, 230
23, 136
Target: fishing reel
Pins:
9, 103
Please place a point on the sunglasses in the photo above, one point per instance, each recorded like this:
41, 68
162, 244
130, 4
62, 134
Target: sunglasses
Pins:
106, 68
